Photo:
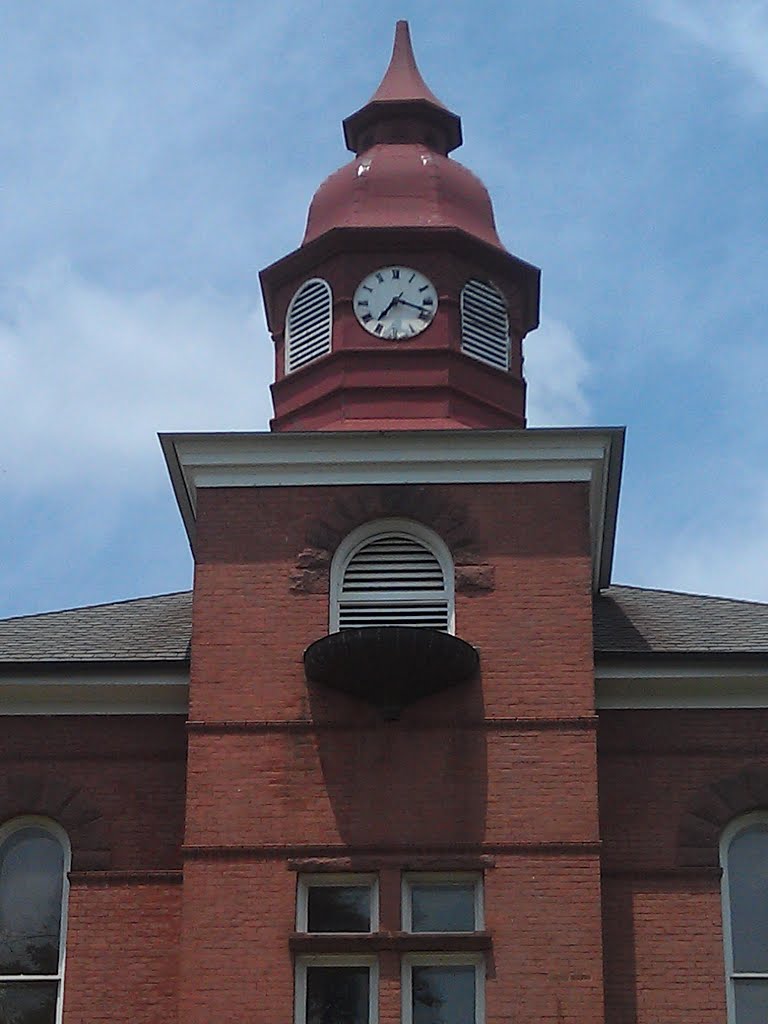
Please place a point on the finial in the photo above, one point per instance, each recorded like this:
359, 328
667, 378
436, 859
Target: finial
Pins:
403, 108
402, 80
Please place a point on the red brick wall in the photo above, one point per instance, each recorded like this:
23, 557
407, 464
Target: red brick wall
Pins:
662, 919
122, 952
502, 768
116, 783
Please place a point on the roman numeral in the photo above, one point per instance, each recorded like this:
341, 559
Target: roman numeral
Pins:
380, 278
395, 273
367, 317
428, 302
366, 288
362, 302
379, 328
424, 314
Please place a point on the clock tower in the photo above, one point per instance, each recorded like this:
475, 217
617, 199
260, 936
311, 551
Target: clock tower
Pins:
401, 309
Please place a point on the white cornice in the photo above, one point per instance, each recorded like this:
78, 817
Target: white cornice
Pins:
108, 691
722, 682
592, 455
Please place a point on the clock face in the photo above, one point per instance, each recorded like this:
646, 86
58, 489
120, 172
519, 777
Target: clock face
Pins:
395, 303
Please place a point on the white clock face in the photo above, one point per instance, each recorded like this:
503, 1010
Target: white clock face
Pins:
395, 303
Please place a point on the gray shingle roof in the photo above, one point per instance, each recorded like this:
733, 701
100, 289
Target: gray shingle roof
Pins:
628, 620
145, 629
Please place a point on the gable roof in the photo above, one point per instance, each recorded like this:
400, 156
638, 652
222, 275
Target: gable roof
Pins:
627, 621
631, 620
147, 629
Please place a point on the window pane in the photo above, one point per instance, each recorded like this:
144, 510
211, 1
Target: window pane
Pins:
751, 1001
31, 879
748, 885
443, 907
28, 1002
337, 995
444, 995
339, 908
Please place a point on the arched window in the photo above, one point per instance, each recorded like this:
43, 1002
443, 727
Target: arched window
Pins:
392, 572
308, 324
484, 324
744, 859
34, 861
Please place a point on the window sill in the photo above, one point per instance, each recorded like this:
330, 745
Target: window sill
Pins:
402, 942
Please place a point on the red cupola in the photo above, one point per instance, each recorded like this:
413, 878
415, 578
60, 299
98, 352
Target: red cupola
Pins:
401, 308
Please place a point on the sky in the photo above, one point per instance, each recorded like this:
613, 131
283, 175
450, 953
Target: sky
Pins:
154, 157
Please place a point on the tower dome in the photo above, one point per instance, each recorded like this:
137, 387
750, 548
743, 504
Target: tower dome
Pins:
402, 185
401, 175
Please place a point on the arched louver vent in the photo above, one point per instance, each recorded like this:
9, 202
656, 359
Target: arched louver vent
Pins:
394, 579
484, 324
308, 324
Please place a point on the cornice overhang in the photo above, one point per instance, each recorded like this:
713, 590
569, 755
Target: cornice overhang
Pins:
590, 455
361, 239
680, 680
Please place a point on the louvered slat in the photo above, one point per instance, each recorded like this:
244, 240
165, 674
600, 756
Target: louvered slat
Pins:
309, 324
484, 324
386, 582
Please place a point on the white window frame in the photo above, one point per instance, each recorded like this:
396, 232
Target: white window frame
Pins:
46, 824
735, 828
411, 960
394, 527
328, 325
335, 880
333, 960
441, 878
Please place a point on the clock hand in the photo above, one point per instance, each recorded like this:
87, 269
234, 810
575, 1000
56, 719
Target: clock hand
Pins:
392, 302
405, 302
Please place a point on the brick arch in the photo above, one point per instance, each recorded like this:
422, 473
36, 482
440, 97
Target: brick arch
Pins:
712, 809
427, 505
65, 804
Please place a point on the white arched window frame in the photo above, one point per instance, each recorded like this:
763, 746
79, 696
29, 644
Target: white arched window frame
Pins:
485, 324
308, 324
15, 984
744, 860
388, 600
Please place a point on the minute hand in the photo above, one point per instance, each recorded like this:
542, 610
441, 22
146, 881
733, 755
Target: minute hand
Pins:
405, 302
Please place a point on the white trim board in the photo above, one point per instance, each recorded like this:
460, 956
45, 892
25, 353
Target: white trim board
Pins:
109, 692
592, 455
717, 683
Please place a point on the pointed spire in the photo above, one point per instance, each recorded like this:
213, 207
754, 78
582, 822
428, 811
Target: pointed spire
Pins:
403, 108
402, 80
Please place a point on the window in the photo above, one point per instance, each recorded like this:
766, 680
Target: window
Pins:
337, 904
438, 987
34, 861
445, 988
744, 859
442, 902
336, 989
392, 572
308, 324
484, 324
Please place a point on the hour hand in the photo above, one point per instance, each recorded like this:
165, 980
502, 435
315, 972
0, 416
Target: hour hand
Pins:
392, 302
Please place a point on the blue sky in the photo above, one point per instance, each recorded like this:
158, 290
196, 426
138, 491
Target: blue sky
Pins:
154, 157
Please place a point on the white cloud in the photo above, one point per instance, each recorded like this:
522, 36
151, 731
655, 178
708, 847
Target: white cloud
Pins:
735, 29
88, 376
556, 371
